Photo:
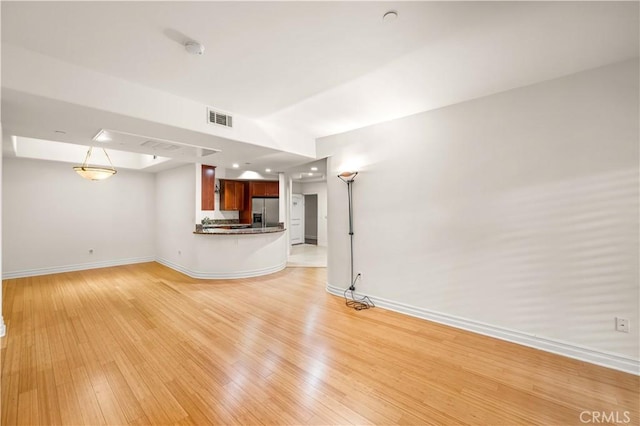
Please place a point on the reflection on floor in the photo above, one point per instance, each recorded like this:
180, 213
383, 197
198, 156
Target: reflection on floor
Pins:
308, 255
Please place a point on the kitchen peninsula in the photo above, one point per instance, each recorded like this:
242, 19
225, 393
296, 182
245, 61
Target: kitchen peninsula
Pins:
239, 231
234, 227
228, 247
220, 253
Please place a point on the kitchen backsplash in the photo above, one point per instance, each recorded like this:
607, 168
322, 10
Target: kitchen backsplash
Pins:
210, 221
219, 214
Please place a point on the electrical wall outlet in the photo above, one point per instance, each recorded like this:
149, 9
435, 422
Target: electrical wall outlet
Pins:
622, 324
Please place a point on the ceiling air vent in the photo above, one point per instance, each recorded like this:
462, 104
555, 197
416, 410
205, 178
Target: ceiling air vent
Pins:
219, 118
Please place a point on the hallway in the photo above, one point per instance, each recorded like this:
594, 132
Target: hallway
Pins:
308, 255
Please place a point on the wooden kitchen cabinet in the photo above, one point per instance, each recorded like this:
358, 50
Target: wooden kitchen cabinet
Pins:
231, 194
272, 189
258, 189
208, 187
264, 189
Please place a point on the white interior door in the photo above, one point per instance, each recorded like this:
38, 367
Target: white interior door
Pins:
297, 219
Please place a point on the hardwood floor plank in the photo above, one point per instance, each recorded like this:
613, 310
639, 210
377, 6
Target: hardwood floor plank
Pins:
70, 411
48, 406
28, 408
89, 407
108, 403
172, 409
125, 397
144, 344
198, 413
10, 396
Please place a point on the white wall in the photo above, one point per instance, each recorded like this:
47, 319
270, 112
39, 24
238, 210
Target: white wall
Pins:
2, 324
320, 188
515, 214
52, 218
3, 328
175, 192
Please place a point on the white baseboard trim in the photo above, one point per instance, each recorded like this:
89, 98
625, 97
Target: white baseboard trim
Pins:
221, 275
604, 359
72, 268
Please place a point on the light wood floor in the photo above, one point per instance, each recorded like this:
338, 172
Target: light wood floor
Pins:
143, 344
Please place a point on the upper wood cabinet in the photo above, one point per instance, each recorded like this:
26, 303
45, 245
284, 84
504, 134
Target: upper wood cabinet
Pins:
257, 189
231, 194
264, 188
208, 191
272, 189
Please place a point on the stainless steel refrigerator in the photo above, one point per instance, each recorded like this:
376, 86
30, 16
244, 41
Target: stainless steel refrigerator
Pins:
265, 212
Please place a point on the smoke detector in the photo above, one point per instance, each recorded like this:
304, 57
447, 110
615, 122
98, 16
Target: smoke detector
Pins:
194, 48
390, 16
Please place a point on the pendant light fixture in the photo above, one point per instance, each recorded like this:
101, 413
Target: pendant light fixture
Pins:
90, 172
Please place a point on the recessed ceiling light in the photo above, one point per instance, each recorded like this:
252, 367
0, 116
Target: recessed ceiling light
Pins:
235, 165
390, 16
314, 169
310, 174
267, 170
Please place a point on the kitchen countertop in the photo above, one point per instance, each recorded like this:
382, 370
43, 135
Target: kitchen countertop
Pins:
240, 231
228, 225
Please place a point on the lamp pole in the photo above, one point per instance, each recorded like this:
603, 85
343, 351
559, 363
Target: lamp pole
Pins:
364, 302
348, 178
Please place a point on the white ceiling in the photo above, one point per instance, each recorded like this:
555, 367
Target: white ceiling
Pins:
318, 67
313, 171
260, 57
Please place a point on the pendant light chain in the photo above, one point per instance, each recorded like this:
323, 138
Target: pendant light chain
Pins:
105, 153
86, 157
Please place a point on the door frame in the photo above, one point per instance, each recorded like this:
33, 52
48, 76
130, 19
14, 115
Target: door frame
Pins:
294, 196
317, 215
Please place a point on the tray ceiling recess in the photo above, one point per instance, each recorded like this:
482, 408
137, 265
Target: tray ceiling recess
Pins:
153, 146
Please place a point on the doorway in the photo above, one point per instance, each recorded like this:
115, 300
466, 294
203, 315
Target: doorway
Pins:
297, 219
311, 219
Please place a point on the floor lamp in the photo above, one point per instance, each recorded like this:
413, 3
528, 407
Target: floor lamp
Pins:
353, 302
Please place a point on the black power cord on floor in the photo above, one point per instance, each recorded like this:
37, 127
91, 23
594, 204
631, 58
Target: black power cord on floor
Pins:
357, 303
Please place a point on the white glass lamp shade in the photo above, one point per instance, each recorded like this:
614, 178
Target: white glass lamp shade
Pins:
95, 172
